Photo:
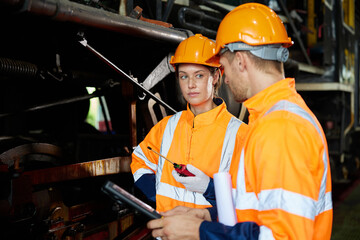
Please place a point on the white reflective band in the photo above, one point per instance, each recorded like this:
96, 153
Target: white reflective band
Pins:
165, 144
325, 204
169, 133
247, 200
234, 194
140, 154
181, 194
290, 202
228, 144
294, 108
265, 233
140, 172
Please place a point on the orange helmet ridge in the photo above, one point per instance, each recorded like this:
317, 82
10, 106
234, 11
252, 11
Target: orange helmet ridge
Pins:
195, 49
254, 24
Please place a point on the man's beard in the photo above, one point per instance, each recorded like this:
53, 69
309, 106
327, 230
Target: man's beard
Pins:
239, 96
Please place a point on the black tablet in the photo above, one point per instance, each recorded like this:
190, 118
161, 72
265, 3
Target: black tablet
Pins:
117, 193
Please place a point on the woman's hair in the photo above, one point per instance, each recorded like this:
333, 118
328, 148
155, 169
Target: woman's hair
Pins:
217, 85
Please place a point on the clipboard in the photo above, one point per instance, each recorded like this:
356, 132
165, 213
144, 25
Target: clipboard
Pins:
119, 194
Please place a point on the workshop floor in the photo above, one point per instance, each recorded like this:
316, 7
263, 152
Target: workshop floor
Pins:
346, 224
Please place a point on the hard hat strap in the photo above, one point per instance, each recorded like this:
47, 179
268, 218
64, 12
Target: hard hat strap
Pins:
267, 52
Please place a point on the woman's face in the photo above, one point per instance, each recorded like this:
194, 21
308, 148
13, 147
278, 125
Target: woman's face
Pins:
197, 86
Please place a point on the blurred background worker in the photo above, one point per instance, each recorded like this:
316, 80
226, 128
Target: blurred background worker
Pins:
283, 180
202, 136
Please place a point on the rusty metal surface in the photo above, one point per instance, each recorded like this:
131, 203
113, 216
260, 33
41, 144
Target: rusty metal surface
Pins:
80, 170
13, 156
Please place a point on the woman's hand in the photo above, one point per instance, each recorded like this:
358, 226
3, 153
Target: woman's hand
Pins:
197, 183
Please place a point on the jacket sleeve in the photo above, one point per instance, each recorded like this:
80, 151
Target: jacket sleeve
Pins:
145, 161
218, 231
213, 213
209, 194
285, 169
146, 183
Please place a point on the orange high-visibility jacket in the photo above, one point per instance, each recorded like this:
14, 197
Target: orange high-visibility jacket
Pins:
206, 141
283, 181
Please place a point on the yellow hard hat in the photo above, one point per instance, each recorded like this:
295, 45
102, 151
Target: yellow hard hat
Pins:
254, 24
195, 49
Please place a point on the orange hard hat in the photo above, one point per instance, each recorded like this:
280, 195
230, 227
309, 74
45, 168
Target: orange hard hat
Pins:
254, 24
195, 49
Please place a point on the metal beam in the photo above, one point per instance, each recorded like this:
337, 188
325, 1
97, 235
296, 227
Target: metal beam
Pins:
63, 10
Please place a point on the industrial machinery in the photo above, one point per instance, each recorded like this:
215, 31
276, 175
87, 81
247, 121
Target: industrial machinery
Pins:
70, 119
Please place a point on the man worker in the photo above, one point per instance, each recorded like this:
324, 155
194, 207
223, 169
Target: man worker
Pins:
283, 182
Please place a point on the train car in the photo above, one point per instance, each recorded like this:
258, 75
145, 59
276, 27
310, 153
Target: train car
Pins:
58, 146
82, 82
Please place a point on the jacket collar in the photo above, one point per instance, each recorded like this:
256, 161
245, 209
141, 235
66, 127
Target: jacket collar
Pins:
208, 117
262, 101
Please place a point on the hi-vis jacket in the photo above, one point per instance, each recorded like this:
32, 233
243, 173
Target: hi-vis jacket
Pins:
206, 141
283, 179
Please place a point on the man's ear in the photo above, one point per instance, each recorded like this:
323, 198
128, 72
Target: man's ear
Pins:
240, 60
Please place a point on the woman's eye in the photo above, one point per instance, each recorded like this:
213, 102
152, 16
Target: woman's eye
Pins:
199, 75
183, 77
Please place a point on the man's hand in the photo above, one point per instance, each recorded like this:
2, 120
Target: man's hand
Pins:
198, 183
176, 227
196, 212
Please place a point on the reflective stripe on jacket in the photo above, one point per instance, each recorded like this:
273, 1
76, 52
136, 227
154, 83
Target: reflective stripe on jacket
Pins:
206, 141
283, 181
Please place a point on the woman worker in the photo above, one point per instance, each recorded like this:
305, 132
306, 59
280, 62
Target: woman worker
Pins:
203, 136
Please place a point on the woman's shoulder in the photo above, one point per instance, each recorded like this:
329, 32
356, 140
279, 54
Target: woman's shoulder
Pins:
166, 119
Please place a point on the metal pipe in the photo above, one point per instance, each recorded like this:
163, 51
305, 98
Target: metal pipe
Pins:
169, 6
201, 16
14, 4
63, 10
297, 35
106, 120
158, 10
132, 80
212, 5
12, 67
53, 104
